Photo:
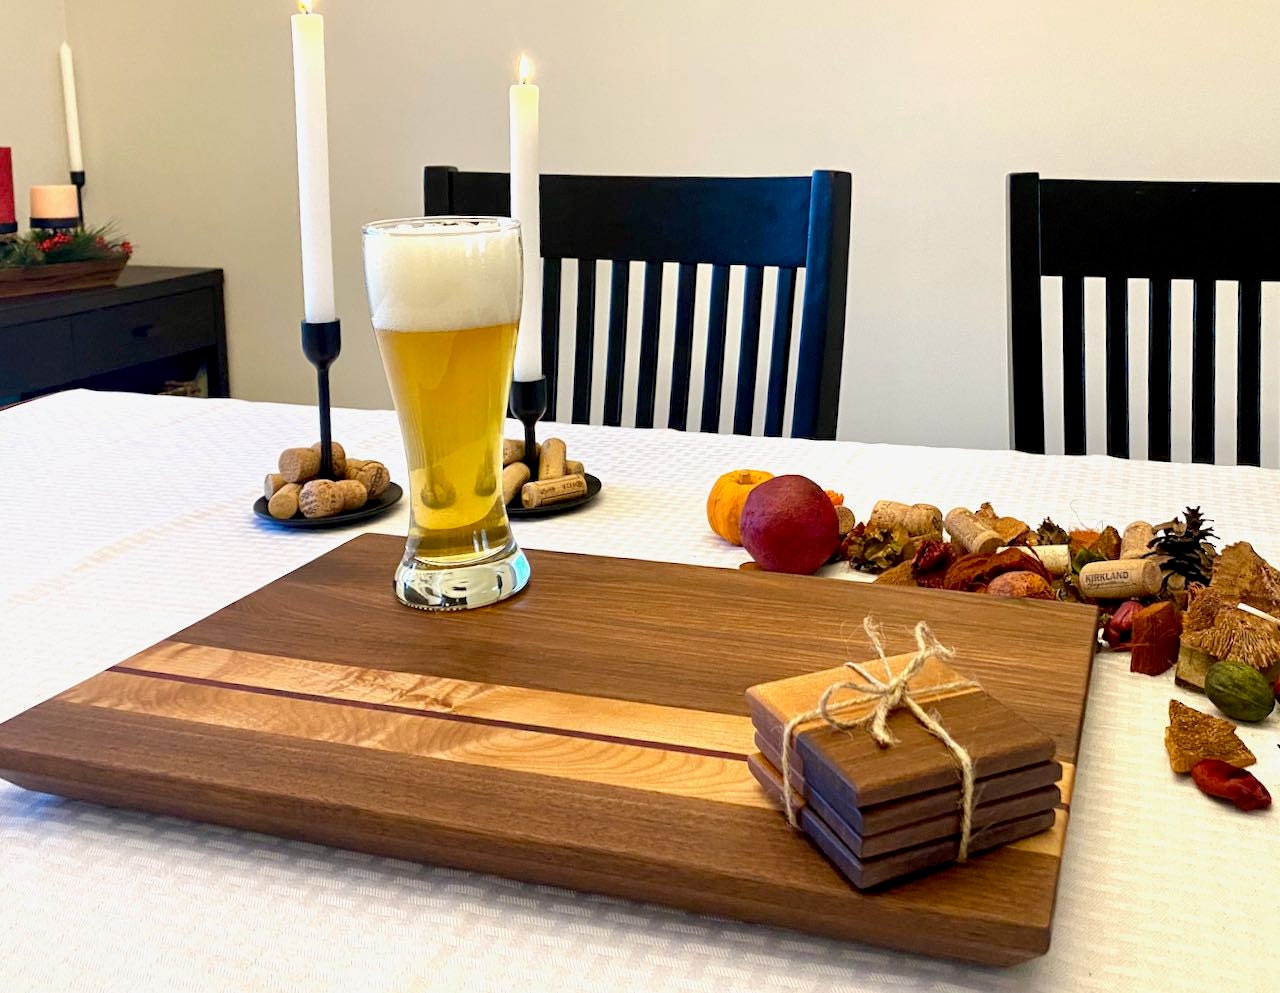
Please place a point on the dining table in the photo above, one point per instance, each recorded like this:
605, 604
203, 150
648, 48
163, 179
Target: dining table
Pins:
128, 517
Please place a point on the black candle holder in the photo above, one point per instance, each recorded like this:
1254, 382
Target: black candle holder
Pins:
55, 223
528, 406
77, 180
321, 343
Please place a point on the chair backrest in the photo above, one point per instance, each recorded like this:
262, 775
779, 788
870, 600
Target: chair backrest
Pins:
789, 223
1158, 231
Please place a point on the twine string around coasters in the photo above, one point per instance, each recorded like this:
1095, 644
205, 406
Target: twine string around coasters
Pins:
891, 693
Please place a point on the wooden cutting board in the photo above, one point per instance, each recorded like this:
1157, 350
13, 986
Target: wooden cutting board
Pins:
590, 733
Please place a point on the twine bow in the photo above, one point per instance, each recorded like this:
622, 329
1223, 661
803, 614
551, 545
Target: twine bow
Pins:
891, 693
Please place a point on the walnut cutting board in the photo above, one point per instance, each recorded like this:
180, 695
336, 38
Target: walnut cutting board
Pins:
590, 733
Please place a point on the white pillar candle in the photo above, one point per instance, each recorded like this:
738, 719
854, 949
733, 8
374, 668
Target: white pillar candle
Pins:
53, 203
526, 209
74, 159
313, 166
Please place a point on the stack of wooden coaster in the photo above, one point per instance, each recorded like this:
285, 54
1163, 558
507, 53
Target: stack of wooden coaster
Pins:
880, 813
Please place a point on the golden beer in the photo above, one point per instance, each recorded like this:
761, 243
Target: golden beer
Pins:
444, 296
455, 459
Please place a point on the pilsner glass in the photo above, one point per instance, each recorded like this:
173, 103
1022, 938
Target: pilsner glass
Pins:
444, 298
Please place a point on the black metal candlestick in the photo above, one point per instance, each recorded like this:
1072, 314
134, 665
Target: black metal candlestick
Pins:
321, 343
77, 180
528, 404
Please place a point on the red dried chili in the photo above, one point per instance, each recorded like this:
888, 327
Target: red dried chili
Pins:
1221, 779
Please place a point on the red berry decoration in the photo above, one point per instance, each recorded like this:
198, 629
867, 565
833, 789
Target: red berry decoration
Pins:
1221, 779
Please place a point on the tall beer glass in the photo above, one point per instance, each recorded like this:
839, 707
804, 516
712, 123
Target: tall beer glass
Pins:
444, 297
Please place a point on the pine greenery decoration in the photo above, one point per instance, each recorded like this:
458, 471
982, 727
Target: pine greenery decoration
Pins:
37, 248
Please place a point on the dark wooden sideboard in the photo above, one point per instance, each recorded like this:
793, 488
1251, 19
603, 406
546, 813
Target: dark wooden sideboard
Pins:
157, 324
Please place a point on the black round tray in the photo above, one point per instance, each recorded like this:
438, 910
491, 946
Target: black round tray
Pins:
517, 511
390, 496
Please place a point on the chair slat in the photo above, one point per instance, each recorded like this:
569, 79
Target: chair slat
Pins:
1159, 371
1026, 361
1202, 370
647, 385
1249, 375
584, 357
615, 360
1073, 410
717, 326
551, 331
1118, 367
748, 350
780, 353
682, 356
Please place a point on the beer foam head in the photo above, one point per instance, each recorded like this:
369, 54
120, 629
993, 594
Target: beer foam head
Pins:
443, 273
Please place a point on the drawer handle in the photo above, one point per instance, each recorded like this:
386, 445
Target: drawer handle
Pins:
142, 330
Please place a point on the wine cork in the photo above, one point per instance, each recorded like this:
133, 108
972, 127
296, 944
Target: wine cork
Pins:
439, 493
887, 514
514, 476
970, 532
272, 484
337, 458
1136, 541
297, 465
922, 519
549, 491
1056, 559
284, 502
845, 520
513, 450
1120, 580
354, 494
572, 467
551, 461
320, 498
373, 474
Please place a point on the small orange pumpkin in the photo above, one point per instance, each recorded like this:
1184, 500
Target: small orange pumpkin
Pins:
724, 503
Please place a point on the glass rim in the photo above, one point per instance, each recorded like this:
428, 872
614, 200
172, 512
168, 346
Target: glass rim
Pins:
441, 226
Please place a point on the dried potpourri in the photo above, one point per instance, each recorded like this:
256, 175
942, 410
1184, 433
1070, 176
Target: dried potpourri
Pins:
1223, 780
877, 550
929, 567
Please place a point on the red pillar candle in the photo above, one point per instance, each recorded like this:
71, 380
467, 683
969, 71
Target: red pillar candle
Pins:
7, 216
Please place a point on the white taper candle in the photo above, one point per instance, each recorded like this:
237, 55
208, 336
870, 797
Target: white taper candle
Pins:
526, 209
313, 166
75, 160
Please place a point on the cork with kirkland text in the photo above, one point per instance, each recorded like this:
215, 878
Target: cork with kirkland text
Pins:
1119, 580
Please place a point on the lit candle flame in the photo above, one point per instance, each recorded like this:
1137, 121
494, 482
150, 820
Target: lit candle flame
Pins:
304, 6
526, 69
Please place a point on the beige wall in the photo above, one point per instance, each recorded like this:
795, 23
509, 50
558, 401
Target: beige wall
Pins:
31, 120
187, 116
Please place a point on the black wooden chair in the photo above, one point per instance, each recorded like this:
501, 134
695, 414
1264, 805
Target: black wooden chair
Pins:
1157, 231
790, 223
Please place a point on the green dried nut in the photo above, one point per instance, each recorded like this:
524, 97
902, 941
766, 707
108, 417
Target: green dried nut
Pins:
1239, 691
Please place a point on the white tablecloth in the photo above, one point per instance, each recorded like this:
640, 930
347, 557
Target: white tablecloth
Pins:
126, 518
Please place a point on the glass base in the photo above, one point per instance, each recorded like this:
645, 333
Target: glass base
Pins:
433, 587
